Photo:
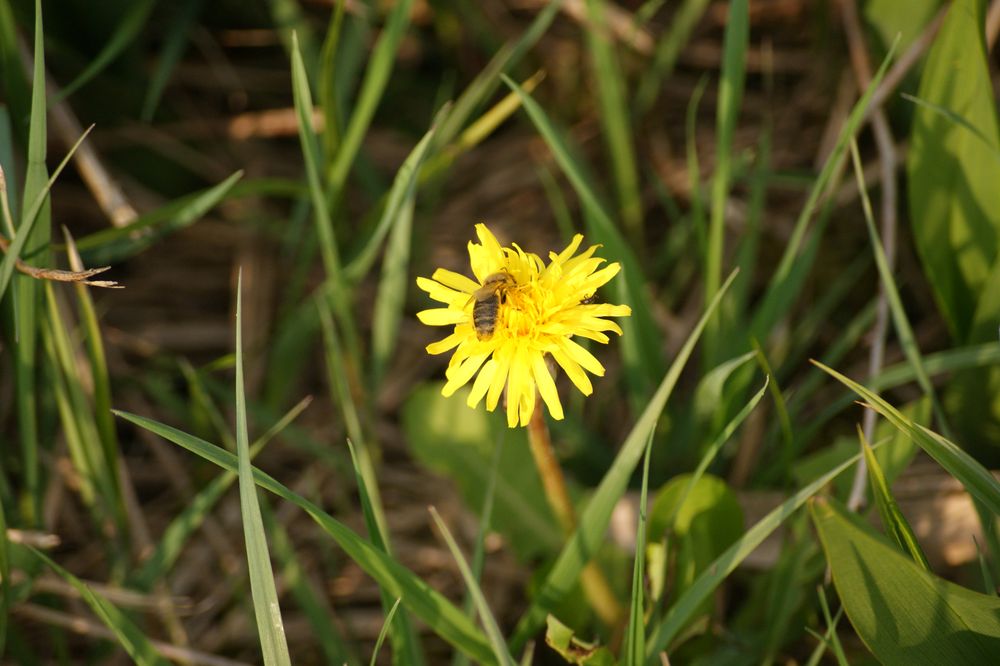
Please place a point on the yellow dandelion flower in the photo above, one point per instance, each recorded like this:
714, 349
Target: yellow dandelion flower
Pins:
516, 311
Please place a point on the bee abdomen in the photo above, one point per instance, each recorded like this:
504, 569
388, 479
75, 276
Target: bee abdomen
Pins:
484, 317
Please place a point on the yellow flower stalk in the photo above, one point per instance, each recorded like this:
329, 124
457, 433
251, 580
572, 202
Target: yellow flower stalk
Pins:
516, 312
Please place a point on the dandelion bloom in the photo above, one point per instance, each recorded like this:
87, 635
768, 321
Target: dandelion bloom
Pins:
527, 310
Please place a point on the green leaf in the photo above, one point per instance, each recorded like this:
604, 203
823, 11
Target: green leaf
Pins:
904, 614
892, 518
635, 639
270, 627
953, 173
980, 483
435, 610
560, 638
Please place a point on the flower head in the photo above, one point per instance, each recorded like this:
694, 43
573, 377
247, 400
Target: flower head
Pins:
514, 313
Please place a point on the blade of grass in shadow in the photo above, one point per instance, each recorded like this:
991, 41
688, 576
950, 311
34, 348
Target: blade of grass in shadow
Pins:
403, 189
169, 55
641, 340
372, 87
489, 77
786, 282
265, 596
31, 240
6, 591
391, 295
295, 31
977, 479
180, 529
485, 615
955, 118
430, 606
485, 521
406, 648
131, 639
615, 121
594, 520
893, 520
324, 223
328, 82
679, 614
115, 245
730, 96
100, 379
635, 638
698, 220
830, 640
682, 25
132, 21
383, 631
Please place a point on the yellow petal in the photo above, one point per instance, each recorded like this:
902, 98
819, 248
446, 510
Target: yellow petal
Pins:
583, 357
479, 260
444, 345
609, 310
483, 381
596, 336
502, 357
490, 243
526, 407
564, 256
603, 276
455, 280
441, 293
546, 387
573, 371
442, 316
463, 374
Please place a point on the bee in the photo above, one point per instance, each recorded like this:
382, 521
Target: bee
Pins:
487, 302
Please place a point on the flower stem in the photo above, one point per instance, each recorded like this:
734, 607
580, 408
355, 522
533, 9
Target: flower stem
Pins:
595, 585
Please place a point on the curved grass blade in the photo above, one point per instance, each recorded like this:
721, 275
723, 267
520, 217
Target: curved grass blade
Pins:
977, 479
596, 516
678, 615
169, 55
892, 518
126, 31
270, 627
435, 610
383, 631
485, 615
132, 640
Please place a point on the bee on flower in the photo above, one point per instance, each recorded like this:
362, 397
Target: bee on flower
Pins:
517, 311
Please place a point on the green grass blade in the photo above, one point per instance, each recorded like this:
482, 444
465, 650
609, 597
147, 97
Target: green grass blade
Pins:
485, 615
892, 518
115, 245
169, 55
787, 281
594, 520
635, 638
641, 340
406, 649
6, 589
132, 640
435, 610
613, 104
131, 24
265, 596
372, 87
668, 47
403, 189
296, 33
678, 615
391, 296
730, 97
383, 631
180, 529
976, 478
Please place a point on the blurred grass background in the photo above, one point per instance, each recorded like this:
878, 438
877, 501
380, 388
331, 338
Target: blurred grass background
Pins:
329, 152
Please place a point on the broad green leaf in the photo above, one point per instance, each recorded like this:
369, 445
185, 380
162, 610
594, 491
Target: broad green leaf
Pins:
270, 627
435, 610
560, 638
952, 173
451, 439
904, 614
